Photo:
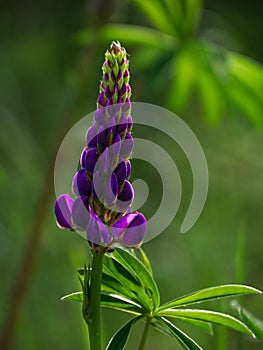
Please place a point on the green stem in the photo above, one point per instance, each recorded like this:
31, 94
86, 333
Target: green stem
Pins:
91, 304
145, 333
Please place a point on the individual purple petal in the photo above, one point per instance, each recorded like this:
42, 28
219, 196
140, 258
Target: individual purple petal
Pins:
91, 137
123, 89
102, 137
80, 213
121, 171
105, 162
116, 146
123, 124
80, 184
129, 123
98, 185
97, 232
128, 165
89, 159
126, 146
83, 157
125, 197
63, 211
130, 230
100, 115
101, 100
111, 190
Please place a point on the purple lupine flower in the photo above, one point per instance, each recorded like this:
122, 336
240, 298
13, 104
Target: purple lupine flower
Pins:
104, 195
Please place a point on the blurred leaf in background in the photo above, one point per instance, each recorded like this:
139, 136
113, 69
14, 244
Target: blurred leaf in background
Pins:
192, 62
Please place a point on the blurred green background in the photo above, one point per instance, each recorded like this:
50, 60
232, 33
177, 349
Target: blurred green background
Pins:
202, 61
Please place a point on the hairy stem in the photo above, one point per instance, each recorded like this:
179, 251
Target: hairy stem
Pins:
91, 304
145, 333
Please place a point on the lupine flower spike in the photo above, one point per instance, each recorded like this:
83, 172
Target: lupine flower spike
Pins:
103, 193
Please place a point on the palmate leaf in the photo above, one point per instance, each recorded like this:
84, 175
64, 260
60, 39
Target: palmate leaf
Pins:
119, 340
110, 284
127, 281
112, 301
183, 339
140, 272
208, 316
253, 322
209, 294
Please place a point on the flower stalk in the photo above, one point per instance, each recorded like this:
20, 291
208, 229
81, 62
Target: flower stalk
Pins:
91, 302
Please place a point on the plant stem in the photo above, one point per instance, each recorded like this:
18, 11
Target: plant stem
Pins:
91, 305
145, 333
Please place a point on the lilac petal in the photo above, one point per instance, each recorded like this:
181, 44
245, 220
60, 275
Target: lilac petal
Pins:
129, 123
100, 115
91, 137
128, 165
116, 146
98, 185
126, 146
130, 230
123, 124
102, 137
80, 213
104, 162
121, 171
80, 184
97, 232
126, 196
83, 157
111, 190
101, 100
63, 211
90, 159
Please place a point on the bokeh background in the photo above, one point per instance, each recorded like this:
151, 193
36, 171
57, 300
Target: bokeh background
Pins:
200, 60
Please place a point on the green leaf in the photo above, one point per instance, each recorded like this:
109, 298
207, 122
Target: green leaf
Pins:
208, 316
183, 339
191, 16
77, 296
253, 322
120, 338
183, 79
145, 260
130, 34
209, 294
117, 302
113, 301
157, 15
206, 326
129, 284
140, 272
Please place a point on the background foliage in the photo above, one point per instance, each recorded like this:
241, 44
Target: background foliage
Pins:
205, 66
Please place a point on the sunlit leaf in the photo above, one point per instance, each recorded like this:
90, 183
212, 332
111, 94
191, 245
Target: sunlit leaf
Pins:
209, 294
206, 326
253, 322
127, 280
183, 79
140, 272
76, 296
191, 16
117, 302
208, 316
183, 339
156, 13
145, 260
112, 301
130, 34
120, 338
